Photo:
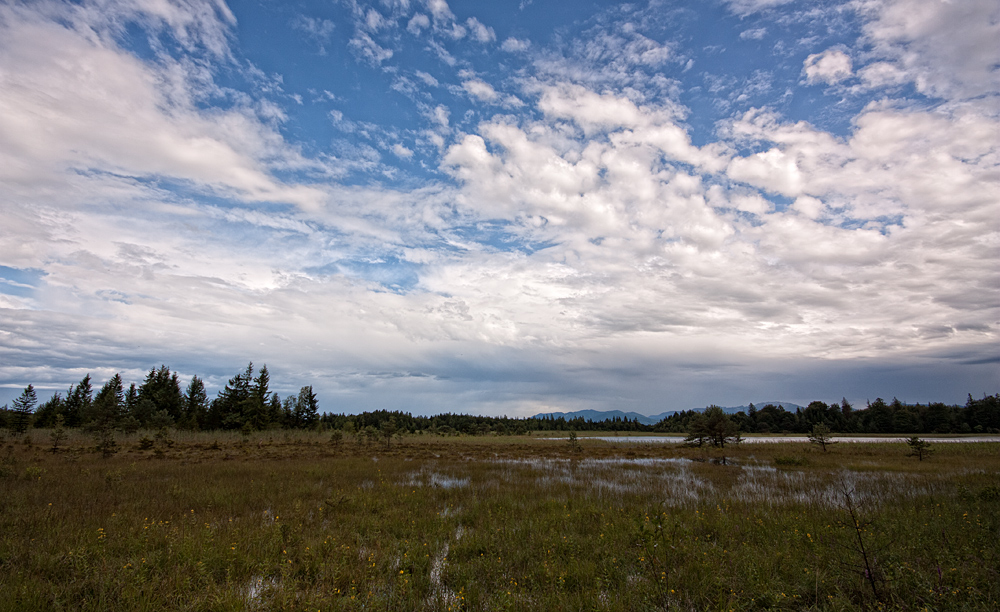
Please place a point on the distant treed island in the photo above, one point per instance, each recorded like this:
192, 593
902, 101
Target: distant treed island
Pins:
247, 404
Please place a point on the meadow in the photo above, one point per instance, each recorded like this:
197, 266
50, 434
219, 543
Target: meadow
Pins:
295, 521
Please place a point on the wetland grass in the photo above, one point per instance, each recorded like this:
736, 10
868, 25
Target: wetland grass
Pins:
277, 521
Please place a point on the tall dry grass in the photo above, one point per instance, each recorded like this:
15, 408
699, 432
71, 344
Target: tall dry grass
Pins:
290, 521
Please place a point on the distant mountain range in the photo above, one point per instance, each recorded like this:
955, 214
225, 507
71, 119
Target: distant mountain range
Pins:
604, 415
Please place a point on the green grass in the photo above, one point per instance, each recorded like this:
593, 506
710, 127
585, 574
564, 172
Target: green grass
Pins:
289, 522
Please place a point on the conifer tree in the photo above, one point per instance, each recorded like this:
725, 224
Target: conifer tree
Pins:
78, 401
275, 415
228, 409
195, 404
47, 413
163, 389
23, 407
108, 405
821, 436
58, 434
129, 421
131, 399
288, 411
306, 413
258, 402
919, 448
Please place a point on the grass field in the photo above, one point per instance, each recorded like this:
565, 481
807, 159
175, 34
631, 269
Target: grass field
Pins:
282, 521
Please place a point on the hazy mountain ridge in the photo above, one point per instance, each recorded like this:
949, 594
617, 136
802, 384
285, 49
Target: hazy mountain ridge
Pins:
604, 415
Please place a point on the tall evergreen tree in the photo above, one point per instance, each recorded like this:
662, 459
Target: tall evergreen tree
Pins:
78, 400
879, 417
163, 389
288, 412
49, 411
108, 405
131, 399
275, 414
23, 407
195, 404
228, 409
257, 405
306, 412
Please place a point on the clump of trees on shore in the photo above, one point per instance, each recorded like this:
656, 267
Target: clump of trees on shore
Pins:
246, 403
878, 417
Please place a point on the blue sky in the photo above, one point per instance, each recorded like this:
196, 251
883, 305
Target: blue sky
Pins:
506, 207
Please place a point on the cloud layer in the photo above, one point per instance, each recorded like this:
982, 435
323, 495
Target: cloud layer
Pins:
562, 230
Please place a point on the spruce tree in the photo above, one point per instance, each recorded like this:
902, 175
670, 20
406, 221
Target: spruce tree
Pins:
78, 401
131, 399
107, 411
108, 406
58, 434
289, 413
23, 407
306, 412
47, 413
228, 410
195, 404
129, 422
919, 448
275, 414
163, 389
257, 403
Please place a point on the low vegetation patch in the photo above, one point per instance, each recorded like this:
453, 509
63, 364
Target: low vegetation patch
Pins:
295, 521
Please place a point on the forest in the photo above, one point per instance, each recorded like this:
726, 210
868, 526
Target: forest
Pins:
247, 404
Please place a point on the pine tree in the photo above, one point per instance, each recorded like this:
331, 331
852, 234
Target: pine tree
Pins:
257, 403
306, 413
108, 406
131, 399
78, 400
821, 435
195, 404
129, 422
58, 434
23, 407
288, 415
919, 448
47, 413
228, 409
275, 414
388, 429
163, 389
107, 411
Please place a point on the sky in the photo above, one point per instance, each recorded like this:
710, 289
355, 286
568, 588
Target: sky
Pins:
504, 207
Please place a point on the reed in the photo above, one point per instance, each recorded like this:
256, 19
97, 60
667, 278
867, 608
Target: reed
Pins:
275, 521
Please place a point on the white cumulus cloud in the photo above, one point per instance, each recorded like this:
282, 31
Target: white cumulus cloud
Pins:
831, 66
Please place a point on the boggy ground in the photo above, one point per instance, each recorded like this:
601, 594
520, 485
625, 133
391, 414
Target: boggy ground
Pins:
282, 521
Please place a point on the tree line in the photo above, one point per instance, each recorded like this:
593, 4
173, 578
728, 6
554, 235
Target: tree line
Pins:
247, 404
878, 417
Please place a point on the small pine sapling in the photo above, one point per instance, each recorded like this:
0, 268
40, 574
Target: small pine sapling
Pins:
574, 442
919, 448
821, 436
58, 435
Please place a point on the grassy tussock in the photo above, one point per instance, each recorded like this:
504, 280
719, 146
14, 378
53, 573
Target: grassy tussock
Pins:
290, 522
